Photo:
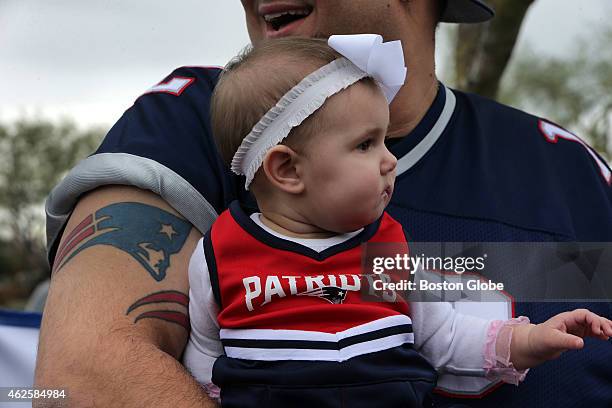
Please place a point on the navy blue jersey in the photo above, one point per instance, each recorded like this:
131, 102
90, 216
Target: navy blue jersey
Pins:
492, 175
472, 170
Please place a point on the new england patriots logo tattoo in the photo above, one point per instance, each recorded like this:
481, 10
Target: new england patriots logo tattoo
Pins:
332, 294
161, 300
149, 234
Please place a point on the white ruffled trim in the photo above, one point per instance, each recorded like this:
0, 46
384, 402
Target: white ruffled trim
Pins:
292, 109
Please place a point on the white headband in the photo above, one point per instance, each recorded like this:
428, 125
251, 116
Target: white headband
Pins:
365, 55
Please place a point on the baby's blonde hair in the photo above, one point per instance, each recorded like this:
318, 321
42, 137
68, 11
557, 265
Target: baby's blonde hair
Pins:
254, 81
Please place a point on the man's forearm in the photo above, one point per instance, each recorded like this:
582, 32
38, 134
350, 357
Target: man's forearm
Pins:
134, 375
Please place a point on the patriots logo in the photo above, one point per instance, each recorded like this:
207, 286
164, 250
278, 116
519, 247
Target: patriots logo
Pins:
149, 234
332, 294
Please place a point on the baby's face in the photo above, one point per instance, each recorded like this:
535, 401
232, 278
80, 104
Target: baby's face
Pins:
348, 171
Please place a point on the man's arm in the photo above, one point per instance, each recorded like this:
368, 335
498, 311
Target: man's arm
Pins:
116, 319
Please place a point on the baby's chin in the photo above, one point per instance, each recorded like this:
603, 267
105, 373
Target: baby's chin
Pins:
358, 222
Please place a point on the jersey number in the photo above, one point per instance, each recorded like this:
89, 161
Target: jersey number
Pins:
174, 86
552, 133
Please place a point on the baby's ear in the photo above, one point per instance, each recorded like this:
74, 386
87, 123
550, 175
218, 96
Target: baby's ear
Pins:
279, 165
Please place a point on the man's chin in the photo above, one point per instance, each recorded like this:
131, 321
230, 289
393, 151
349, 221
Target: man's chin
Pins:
321, 35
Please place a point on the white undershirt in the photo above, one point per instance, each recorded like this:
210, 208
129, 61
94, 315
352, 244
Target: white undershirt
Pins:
316, 244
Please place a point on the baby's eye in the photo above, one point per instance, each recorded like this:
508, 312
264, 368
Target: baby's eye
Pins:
364, 146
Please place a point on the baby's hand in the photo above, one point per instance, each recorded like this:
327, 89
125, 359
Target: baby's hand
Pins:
532, 345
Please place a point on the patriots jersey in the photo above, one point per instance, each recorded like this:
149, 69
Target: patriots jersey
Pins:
295, 328
472, 170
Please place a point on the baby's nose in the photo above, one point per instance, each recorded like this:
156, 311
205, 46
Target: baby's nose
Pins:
389, 162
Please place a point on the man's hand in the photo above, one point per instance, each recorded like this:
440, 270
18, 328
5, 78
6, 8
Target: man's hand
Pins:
116, 319
533, 344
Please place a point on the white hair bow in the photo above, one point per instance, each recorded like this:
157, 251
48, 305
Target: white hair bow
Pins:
382, 61
365, 55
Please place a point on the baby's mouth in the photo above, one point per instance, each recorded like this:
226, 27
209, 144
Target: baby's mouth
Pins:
387, 192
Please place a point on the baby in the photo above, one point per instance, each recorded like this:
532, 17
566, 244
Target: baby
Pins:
276, 314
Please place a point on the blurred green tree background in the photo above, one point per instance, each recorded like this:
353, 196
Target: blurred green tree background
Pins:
34, 155
574, 91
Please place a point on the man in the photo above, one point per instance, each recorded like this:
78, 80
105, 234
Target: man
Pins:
120, 225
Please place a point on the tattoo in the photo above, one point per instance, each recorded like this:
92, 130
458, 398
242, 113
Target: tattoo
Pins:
167, 315
149, 234
166, 296
84, 230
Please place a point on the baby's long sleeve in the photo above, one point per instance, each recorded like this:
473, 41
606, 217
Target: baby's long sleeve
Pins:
452, 342
204, 345
464, 345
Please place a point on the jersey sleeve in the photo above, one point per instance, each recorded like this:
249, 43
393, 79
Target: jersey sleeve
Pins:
583, 183
162, 143
204, 345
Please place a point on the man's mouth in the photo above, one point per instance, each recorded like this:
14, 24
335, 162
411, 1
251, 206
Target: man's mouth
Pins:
277, 20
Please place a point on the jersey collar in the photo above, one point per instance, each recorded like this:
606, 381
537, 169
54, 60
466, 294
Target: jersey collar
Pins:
412, 147
243, 219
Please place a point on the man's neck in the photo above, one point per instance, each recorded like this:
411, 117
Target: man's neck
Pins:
412, 103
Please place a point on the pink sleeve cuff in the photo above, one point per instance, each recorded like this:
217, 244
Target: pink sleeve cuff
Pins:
497, 365
213, 391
